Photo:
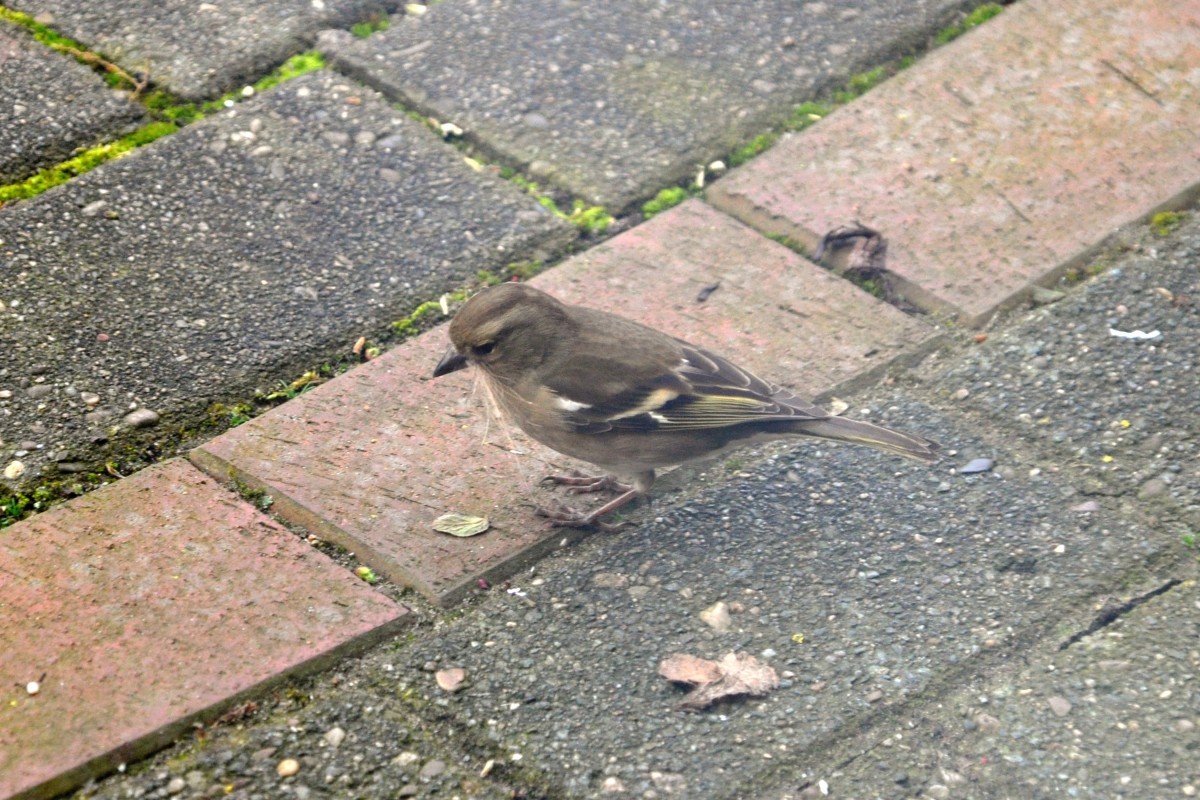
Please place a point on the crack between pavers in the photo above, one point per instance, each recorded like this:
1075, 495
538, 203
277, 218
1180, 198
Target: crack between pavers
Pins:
1132, 81
1110, 614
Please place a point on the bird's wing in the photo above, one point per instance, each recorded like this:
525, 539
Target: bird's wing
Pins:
700, 390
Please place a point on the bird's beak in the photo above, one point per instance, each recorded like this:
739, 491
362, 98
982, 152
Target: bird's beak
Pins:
453, 361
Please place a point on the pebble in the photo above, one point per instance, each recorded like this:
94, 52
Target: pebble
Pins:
1152, 488
176, 785
334, 737
717, 617
141, 418
977, 465
1087, 506
195, 779
962, 394
288, 767
450, 680
5, 394
39, 391
433, 769
609, 580
14, 470
1059, 705
937, 791
406, 759
89, 398
408, 790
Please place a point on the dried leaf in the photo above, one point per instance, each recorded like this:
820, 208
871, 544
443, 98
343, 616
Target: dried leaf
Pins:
682, 668
460, 524
735, 674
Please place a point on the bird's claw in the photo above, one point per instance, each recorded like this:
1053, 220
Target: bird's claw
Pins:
563, 517
588, 484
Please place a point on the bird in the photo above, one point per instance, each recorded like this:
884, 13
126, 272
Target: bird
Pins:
626, 397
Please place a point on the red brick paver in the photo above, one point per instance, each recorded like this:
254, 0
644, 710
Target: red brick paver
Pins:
1004, 157
372, 458
148, 604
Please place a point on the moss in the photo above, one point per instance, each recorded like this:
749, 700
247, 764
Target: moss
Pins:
1164, 222
411, 324
752, 148
666, 198
85, 161
374, 24
973, 20
806, 114
590, 219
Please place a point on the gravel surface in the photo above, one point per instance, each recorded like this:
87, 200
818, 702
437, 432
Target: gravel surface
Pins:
614, 101
52, 105
232, 256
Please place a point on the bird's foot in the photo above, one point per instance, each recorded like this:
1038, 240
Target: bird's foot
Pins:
563, 517
588, 484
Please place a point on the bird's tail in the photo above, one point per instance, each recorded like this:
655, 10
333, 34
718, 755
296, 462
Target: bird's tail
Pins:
858, 432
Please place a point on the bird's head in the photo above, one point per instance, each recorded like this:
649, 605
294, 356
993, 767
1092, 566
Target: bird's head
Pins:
508, 330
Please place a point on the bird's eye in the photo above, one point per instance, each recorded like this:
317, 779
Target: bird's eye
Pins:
483, 349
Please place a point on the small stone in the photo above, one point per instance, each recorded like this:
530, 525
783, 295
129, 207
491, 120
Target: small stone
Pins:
89, 398
987, 722
612, 785
288, 767
406, 759
5, 394
610, 580
408, 790
93, 208
176, 785
14, 470
937, 791
977, 465
72, 467
334, 736
1086, 507
1059, 705
1042, 296
195, 779
962, 394
141, 418
1183, 726
874, 696
39, 391
717, 617
1151, 488
263, 754
432, 769
450, 680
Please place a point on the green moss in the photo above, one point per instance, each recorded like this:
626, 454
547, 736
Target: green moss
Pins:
411, 324
752, 148
666, 198
806, 114
85, 161
973, 20
1164, 222
374, 24
590, 219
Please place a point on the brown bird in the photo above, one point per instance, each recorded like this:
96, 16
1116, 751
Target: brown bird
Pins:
625, 397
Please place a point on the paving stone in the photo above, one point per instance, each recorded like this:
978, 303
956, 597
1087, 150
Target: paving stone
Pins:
198, 51
236, 254
50, 105
863, 579
372, 458
613, 101
1124, 413
147, 605
1005, 157
1112, 715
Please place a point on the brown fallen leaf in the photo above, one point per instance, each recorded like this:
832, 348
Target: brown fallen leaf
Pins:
735, 674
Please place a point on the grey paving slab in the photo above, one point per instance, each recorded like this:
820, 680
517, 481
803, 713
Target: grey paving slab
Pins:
231, 255
896, 577
50, 105
1123, 413
198, 50
614, 101
1115, 714
148, 605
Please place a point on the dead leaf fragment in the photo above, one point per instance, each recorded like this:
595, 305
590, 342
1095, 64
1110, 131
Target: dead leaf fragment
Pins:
450, 680
460, 524
735, 674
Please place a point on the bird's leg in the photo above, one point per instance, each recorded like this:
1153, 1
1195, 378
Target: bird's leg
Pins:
570, 518
587, 484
